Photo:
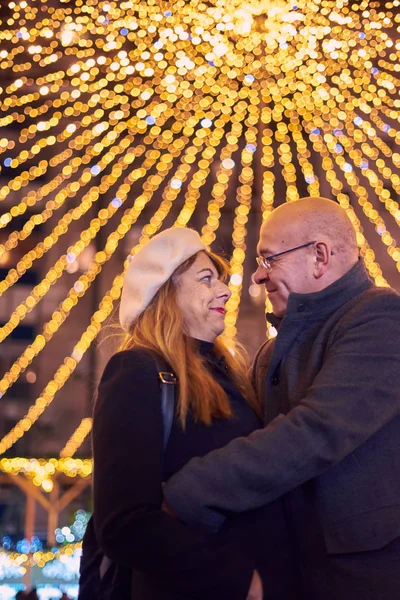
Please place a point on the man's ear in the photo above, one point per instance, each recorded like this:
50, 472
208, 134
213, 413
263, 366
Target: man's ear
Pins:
322, 258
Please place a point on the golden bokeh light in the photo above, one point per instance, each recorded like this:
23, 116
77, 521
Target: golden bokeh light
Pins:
133, 108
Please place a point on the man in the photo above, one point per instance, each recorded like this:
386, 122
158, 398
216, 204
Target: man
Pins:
331, 445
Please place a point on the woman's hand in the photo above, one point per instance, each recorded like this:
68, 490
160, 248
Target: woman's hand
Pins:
256, 590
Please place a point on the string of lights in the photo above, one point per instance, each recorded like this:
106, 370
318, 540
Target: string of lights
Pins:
362, 197
130, 105
223, 176
243, 197
77, 438
86, 203
38, 469
69, 365
191, 197
77, 291
344, 200
39, 558
84, 428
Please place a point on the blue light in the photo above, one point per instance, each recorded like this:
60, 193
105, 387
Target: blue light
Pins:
283, 45
374, 71
150, 120
358, 121
168, 13
95, 170
36, 544
124, 31
6, 542
347, 167
337, 132
385, 127
175, 184
316, 131
23, 546
249, 78
7, 162
251, 148
19, 34
361, 35
116, 202
210, 62
70, 257
309, 178
338, 148
364, 165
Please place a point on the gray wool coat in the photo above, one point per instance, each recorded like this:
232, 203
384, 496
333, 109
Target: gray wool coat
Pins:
331, 443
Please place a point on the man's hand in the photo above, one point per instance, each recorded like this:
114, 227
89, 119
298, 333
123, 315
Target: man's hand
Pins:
166, 508
256, 590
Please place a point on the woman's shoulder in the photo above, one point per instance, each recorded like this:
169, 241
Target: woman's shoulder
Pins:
133, 355
134, 360
128, 395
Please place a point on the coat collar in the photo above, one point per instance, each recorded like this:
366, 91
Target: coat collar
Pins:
205, 348
303, 306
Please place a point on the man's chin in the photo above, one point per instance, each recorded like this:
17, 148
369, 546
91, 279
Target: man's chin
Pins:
278, 311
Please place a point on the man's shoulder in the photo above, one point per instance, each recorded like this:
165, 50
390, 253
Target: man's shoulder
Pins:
381, 292
379, 305
376, 299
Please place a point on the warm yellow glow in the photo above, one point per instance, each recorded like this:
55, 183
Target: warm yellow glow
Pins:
152, 108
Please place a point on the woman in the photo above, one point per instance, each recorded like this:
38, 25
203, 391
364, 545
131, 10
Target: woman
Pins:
173, 305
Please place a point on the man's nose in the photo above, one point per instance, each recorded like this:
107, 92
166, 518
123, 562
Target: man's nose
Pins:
260, 276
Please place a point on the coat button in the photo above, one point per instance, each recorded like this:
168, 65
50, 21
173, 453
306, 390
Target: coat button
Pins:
301, 308
275, 380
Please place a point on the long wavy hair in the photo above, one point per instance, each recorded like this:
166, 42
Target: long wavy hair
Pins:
161, 329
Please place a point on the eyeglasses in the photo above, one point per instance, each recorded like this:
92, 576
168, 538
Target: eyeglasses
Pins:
265, 261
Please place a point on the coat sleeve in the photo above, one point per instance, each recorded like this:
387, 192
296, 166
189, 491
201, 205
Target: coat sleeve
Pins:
354, 395
131, 527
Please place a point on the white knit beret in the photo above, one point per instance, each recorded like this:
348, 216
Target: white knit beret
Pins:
152, 266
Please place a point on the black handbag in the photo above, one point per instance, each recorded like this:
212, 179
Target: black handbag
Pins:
101, 578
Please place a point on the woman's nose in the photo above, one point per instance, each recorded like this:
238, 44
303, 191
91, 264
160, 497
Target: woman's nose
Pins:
224, 291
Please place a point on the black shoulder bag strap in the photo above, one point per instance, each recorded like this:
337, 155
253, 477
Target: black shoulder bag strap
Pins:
168, 385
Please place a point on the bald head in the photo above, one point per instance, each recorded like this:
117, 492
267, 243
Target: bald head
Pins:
316, 219
308, 245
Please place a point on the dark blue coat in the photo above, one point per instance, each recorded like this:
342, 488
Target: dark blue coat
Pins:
331, 446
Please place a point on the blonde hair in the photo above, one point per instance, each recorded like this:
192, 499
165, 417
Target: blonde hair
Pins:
161, 329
